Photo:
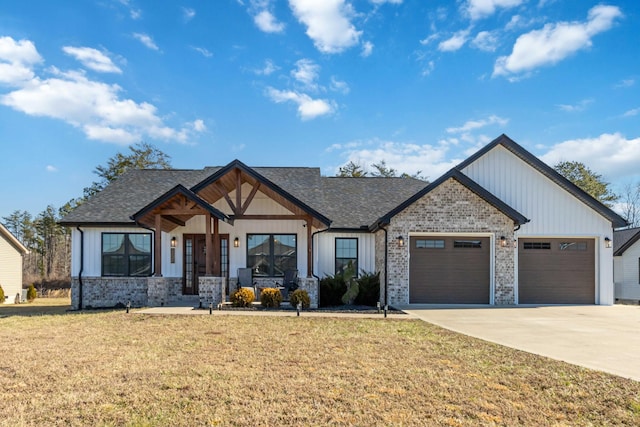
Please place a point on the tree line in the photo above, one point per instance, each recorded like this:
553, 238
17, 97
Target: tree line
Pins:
49, 244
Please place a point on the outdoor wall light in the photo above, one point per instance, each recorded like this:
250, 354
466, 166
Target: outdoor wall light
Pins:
503, 241
174, 242
607, 242
400, 241
236, 243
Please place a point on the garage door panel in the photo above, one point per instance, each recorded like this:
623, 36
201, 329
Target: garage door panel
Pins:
450, 275
556, 271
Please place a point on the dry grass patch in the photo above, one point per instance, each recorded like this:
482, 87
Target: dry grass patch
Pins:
110, 368
39, 306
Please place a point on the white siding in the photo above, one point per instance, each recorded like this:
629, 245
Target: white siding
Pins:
552, 211
627, 273
10, 269
325, 252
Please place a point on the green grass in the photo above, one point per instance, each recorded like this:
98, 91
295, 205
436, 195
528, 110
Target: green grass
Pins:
112, 368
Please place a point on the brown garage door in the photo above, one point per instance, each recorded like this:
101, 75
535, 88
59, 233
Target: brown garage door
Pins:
556, 271
449, 270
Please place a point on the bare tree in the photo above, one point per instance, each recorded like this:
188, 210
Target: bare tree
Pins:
630, 204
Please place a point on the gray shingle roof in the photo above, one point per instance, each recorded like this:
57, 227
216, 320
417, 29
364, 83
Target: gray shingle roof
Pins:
623, 239
348, 202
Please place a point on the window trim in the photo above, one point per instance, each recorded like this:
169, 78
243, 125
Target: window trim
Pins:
335, 254
126, 254
271, 252
437, 243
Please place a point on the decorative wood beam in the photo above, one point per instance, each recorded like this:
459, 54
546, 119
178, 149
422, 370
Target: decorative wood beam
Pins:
238, 209
216, 248
174, 220
207, 244
157, 249
224, 193
309, 247
235, 217
247, 202
170, 212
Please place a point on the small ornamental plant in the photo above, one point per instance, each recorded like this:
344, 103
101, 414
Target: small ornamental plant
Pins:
299, 296
31, 293
243, 297
1, 295
270, 297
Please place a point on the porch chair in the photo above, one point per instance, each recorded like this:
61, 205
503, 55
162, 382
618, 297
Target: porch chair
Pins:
245, 280
289, 283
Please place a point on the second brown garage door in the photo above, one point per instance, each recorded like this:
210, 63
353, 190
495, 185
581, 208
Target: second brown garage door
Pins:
556, 271
449, 270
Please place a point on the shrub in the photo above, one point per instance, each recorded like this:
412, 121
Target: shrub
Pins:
299, 296
270, 297
31, 293
1, 295
243, 297
369, 284
331, 290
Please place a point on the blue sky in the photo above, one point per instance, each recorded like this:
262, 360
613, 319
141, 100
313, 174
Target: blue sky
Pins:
421, 84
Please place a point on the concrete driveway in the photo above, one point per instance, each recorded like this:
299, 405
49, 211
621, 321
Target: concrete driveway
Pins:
606, 338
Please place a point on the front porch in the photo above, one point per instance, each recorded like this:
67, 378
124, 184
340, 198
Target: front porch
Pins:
108, 292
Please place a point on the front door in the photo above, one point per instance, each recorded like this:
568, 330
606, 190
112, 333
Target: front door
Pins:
195, 261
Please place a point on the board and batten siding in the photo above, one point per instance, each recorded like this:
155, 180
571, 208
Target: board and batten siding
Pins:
10, 269
325, 252
627, 273
552, 211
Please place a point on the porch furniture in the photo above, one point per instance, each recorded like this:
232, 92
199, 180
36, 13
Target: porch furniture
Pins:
245, 280
289, 283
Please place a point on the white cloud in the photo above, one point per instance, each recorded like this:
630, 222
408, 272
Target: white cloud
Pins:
203, 51
269, 68
429, 39
97, 108
133, 12
188, 14
625, 83
308, 108
17, 59
267, 22
367, 49
580, 106
477, 124
378, 2
612, 155
198, 125
486, 41
555, 42
51, 168
328, 23
477, 9
306, 72
631, 113
428, 69
146, 40
93, 59
455, 42
339, 86
408, 158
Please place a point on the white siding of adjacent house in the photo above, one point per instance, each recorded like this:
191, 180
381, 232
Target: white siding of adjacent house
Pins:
553, 212
10, 269
627, 273
325, 252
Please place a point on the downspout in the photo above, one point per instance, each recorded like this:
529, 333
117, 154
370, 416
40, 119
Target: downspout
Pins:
386, 271
314, 264
81, 267
153, 239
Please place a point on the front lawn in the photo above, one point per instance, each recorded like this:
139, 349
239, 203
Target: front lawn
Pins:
112, 368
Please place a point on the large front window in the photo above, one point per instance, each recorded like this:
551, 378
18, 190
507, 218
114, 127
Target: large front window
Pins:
271, 254
126, 254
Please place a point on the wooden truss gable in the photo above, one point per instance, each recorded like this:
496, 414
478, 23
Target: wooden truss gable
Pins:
227, 183
174, 208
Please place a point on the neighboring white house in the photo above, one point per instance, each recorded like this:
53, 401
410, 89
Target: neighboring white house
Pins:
11, 253
500, 228
626, 264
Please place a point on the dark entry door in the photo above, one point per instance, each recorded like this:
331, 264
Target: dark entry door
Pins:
195, 260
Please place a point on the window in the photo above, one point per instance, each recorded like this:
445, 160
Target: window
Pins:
271, 254
429, 244
126, 254
537, 245
475, 244
573, 246
346, 251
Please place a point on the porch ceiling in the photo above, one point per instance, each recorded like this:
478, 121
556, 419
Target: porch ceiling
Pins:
227, 184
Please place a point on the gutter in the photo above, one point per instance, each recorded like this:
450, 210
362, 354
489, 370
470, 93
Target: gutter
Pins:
81, 267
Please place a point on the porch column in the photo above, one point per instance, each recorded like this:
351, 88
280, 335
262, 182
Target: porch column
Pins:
207, 244
157, 249
309, 248
216, 248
